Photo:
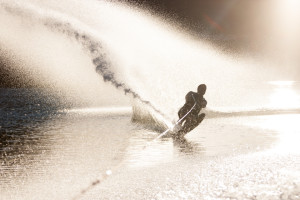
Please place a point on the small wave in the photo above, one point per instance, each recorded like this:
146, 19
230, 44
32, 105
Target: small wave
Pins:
155, 122
266, 111
148, 118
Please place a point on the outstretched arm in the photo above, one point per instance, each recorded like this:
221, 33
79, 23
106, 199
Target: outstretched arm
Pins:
203, 103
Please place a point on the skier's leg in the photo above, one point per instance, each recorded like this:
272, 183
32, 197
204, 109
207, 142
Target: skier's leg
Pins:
200, 118
192, 123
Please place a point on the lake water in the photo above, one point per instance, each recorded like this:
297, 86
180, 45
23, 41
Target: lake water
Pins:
52, 150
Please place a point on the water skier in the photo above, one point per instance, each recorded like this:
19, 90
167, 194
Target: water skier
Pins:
194, 101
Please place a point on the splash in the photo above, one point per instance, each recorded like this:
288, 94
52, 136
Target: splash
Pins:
138, 53
91, 45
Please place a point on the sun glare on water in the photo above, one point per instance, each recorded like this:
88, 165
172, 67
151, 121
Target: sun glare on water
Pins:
284, 95
287, 128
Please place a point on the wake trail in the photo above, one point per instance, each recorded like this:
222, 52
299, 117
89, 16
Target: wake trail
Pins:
258, 112
84, 36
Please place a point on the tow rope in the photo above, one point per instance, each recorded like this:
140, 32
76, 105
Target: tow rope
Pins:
107, 173
180, 120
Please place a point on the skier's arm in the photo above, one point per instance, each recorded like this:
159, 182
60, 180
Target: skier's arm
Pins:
203, 103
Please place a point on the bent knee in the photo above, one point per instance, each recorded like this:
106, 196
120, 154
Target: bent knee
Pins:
202, 115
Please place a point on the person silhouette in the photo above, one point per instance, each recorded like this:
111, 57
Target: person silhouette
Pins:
194, 102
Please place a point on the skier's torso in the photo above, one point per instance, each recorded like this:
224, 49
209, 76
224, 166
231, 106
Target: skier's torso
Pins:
191, 98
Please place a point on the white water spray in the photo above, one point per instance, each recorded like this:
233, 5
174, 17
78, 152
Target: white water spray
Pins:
139, 53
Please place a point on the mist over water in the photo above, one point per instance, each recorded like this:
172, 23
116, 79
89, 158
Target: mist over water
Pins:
65, 43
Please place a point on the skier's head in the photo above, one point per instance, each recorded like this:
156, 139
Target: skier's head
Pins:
201, 89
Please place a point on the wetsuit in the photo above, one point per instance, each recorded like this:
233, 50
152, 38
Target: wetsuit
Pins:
193, 119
